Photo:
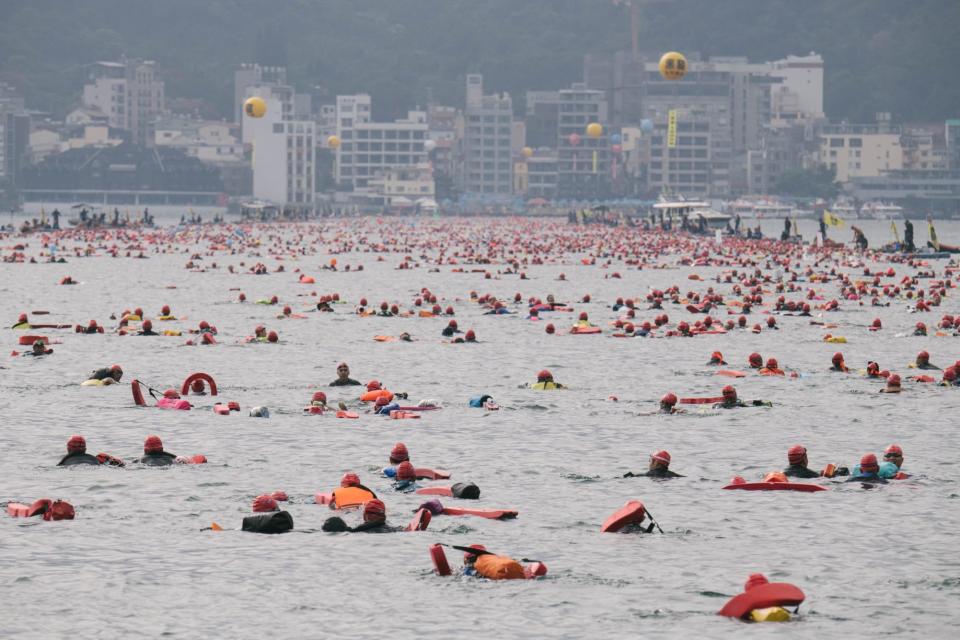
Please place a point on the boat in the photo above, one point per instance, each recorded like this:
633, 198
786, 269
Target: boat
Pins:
677, 208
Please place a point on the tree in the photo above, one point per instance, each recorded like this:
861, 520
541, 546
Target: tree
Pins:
818, 182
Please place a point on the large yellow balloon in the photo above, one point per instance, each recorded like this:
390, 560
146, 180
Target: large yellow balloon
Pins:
333, 142
594, 130
527, 152
673, 65
255, 107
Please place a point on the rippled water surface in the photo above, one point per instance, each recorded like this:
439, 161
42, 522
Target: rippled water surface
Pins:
880, 562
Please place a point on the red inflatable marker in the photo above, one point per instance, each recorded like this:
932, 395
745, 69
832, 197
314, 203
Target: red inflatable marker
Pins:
420, 521
51, 326
348, 414
701, 400
18, 510
27, 341
436, 491
439, 558
431, 474
185, 387
777, 486
731, 373
774, 594
630, 513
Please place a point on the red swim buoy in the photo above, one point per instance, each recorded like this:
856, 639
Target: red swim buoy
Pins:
185, 387
439, 558
137, 393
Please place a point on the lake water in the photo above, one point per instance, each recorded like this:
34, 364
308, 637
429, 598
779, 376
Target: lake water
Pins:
879, 562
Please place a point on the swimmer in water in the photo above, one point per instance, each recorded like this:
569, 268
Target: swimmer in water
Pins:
668, 404
755, 361
406, 481
374, 521
716, 358
659, 468
38, 349
867, 471
108, 375
343, 377
893, 384
22, 322
837, 363
923, 362
77, 453
798, 465
398, 454
146, 329
731, 401
450, 330
545, 382
154, 455
267, 517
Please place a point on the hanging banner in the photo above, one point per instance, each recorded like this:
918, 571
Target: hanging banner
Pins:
672, 129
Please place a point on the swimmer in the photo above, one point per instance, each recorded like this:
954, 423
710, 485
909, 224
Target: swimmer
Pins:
659, 468
920, 329
716, 358
77, 453
923, 362
154, 455
731, 401
374, 521
405, 337
38, 349
318, 402
22, 322
545, 382
755, 361
797, 461
450, 330
108, 375
837, 363
406, 481
668, 404
343, 377
892, 463
772, 368
146, 329
893, 384
867, 471
873, 370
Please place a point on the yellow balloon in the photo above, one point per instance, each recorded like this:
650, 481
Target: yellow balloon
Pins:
673, 65
255, 107
527, 152
594, 130
333, 142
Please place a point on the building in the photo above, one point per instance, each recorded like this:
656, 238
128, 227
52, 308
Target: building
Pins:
542, 118
403, 187
369, 149
487, 142
284, 156
541, 176
14, 147
924, 147
691, 166
130, 93
951, 138
781, 149
583, 163
861, 150
206, 140
931, 191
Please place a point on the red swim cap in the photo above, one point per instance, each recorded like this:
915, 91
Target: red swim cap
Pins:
669, 399
470, 335
755, 580
287, 310
374, 510
771, 321
208, 338
399, 453
138, 312
452, 324
165, 310
923, 356
197, 386
661, 456
204, 324
716, 356
893, 450
449, 312
92, 323
869, 463
583, 315
550, 328
116, 367
273, 337
280, 496
319, 396
349, 479
76, 444
265, 504
544, 376
796, 454
876, 323
171, 394
405, 471
373, 385
950, 374
772, 363
152, 444
837, 358
22, 318
147, 325
471, 557
729, 393
755, 360
893, 380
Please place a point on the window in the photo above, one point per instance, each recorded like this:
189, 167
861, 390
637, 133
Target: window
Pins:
836, 142
278, 127
856, 142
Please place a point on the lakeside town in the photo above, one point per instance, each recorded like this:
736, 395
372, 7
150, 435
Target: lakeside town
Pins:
748, 138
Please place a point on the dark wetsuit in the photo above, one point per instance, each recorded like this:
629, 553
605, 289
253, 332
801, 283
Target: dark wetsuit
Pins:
102, 374
928, 367
77, 457
344, 383
870, 478
148, 333
659, 472
798, 471
159, 459
275, 522
379, 526
448, 332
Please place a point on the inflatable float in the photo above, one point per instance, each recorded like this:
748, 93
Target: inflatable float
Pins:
436, 508
45, 507
764, 602
345, 497
163, 402
773, 485
193, 377
488, 565
462, 490
630, 513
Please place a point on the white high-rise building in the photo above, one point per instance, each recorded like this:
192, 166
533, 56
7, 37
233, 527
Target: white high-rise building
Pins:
130, 93
284, 156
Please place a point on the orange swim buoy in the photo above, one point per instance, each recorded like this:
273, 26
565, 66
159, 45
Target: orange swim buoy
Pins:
373, 396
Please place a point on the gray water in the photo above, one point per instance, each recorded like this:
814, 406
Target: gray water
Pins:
878, 562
